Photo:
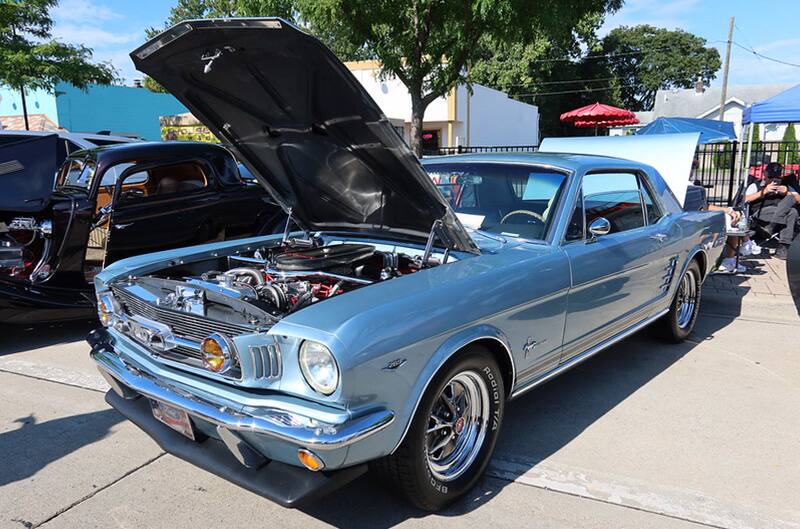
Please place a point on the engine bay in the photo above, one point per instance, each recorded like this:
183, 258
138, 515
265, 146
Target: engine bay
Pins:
24, 247
267, 284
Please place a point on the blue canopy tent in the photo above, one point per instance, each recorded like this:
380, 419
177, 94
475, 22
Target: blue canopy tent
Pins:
711, 130
780, 108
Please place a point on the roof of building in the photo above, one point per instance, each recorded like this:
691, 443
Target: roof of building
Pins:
691, 104
37, 122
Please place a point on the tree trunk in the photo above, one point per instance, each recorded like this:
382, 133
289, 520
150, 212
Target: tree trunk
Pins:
417, 113
24, 108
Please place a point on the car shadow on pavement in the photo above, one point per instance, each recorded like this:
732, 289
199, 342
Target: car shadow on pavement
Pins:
19, 338
536, 425
34, 445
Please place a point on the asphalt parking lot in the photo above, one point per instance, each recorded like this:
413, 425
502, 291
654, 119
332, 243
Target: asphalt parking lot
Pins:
702, 434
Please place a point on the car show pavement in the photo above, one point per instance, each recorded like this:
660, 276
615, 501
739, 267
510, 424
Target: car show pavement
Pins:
701, 434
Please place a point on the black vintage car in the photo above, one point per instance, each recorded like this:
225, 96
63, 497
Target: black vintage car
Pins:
110, 203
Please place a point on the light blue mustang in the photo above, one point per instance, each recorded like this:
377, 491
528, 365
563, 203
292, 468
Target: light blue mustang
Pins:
393, 327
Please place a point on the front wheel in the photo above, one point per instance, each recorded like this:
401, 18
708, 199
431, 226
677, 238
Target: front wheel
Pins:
676, 325
453, 434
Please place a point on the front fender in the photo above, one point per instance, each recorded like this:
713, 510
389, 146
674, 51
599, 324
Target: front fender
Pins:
447, 350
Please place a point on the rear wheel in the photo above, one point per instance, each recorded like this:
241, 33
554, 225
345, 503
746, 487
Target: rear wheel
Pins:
676, 325
453, 434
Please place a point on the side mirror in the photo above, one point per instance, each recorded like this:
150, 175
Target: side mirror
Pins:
599, 226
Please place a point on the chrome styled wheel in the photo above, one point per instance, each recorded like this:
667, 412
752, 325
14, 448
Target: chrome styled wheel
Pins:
688, 295
457, 425
453, 433
678, 322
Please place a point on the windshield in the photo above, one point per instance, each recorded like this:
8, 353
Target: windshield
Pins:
76, 172
511, 200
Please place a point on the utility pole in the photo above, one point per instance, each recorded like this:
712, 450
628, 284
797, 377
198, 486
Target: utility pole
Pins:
725, 69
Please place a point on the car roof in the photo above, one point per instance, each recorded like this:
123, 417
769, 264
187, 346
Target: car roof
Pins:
141, 150
566, 161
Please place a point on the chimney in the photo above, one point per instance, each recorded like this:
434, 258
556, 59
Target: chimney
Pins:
137, 83
699, 87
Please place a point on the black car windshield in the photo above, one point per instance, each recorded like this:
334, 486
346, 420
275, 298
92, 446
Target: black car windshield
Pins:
508, 199
76, 172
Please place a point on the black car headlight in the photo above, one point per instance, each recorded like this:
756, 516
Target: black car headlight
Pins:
319, 367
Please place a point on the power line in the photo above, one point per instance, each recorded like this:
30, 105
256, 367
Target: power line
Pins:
597, 80
767, 57
538, 94
603, 56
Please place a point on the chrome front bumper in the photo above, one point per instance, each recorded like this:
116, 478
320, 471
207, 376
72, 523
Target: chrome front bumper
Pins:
130, 382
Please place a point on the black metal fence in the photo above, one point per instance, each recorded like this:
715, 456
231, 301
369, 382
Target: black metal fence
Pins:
460, 149
717, 165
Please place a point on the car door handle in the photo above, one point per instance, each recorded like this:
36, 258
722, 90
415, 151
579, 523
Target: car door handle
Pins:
122, 226
660, 237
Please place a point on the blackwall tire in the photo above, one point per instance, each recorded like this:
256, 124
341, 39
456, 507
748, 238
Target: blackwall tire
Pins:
676, 325
453, 434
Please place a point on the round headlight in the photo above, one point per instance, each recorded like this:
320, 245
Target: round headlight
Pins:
319, 367
218, 355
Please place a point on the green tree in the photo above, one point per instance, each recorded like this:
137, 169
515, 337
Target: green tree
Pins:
286, 9
30, 59
787, 154
429, 45
644, 59
756, 148
547, 73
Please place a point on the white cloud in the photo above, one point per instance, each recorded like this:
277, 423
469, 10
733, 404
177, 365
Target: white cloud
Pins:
121, 62
93, 36
661, 13
747, 68
82, 11
778, 45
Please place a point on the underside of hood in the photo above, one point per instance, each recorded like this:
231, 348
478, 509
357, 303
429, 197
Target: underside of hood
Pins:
27, 173
305, 127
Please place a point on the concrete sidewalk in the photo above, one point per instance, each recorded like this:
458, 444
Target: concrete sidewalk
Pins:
762, 292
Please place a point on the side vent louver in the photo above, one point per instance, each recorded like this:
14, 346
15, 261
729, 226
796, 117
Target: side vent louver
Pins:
669, 273
266, 361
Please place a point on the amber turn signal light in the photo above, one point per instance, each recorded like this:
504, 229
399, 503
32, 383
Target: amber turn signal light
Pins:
217, 355
310, 460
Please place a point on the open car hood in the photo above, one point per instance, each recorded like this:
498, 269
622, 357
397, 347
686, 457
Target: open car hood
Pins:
27, 173
304, 126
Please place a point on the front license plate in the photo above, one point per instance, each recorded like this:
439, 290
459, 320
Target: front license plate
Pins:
175, 418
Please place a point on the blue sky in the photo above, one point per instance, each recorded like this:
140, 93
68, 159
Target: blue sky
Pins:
112, 28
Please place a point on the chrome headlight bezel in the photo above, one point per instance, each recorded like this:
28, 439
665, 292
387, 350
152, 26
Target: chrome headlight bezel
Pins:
108, 309
229, 354
319, 367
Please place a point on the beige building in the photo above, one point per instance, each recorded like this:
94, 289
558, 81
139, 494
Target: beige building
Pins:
485, 117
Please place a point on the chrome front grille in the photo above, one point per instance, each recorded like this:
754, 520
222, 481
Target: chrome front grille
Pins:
184, 325
190, 327
266, 361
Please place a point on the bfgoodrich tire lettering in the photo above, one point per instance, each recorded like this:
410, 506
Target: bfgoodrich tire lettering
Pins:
676, 325
453, 434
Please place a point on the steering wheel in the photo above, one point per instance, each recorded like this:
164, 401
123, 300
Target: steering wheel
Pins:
527, 212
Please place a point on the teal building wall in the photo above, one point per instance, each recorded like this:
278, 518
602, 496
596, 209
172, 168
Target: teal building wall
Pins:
120, 109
